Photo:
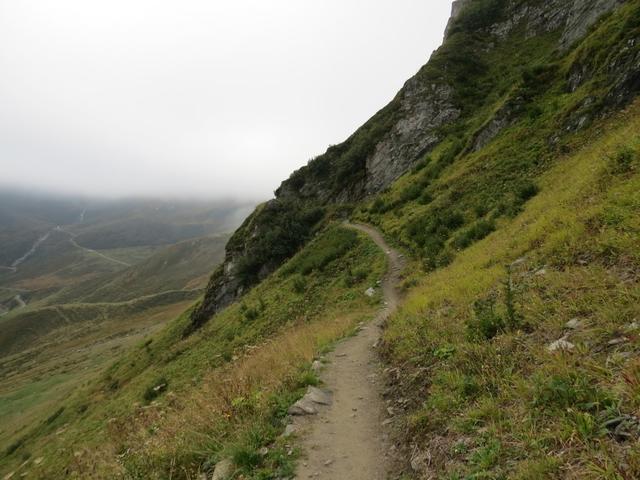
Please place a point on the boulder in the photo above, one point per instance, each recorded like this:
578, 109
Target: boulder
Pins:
223, 470
316, 395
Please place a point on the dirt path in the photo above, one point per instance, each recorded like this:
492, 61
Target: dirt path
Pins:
347, 440
21, 303
95, 252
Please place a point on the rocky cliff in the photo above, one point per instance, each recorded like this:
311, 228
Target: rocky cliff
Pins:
470, 90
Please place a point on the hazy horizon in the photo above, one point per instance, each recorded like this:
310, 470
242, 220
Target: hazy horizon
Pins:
194, 99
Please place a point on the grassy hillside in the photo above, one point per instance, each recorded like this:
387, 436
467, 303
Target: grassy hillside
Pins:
176, 404
183, 266
489, 399
69, 310
34, 381
514, 354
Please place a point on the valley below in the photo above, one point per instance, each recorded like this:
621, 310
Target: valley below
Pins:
67, 310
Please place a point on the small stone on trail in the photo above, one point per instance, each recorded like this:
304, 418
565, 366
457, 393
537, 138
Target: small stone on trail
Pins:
370, 292
388, 421
318, 396
618, 341
302, 407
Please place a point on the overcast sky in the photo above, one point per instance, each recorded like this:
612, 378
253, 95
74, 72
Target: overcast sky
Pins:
195, 97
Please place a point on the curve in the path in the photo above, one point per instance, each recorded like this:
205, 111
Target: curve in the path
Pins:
21, 303
95, 252
347, 440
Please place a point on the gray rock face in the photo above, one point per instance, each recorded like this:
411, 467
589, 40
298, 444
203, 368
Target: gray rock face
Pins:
582, 15
302, 407
575, 17
424, 109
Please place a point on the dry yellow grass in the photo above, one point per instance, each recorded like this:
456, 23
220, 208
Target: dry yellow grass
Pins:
205, 414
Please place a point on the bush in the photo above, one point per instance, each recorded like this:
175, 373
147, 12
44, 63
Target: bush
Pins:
486, 323
14, 446
526, 191
355, 277
299, 285
249, 313
573, 390
478, 15
281, 227
432, 248
327, 249
53, 416
425, 198
474, 233
513, 318
379, 206
623, 161
412, 192
156, 389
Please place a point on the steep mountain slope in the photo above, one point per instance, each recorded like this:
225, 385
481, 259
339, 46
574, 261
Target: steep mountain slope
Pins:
508, 171
503, 64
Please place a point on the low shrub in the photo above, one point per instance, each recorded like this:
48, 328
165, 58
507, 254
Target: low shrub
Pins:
474, 233
486, 323
327, 249
157, 388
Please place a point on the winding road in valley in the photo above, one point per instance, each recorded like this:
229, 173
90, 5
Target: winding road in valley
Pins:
349, 438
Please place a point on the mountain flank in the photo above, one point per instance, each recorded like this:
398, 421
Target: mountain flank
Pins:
506, 172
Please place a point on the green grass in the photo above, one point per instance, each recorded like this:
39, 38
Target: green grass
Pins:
221, 386
521, 411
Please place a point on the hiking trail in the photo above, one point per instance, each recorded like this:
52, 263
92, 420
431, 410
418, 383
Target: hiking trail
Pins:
348, 439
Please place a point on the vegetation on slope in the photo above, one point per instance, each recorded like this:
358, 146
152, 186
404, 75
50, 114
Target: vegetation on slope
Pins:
491, 397
175, 406
517, 345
